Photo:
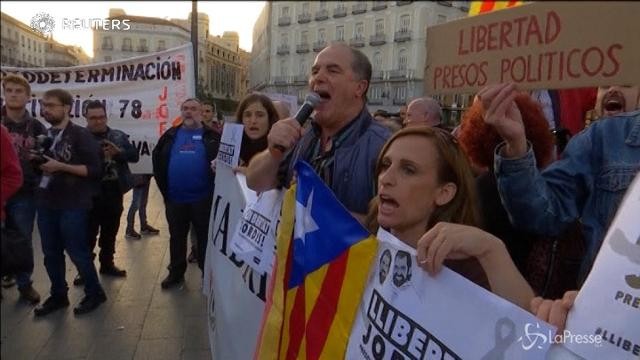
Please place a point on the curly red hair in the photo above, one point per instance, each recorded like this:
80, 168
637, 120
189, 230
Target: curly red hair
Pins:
479, 140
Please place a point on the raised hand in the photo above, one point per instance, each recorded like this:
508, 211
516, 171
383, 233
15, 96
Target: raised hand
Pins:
501, 112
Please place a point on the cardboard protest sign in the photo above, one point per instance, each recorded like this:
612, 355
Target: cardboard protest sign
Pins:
608, 305
141, 94
542, 45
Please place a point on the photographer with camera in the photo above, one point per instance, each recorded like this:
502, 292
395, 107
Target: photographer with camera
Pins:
104, 217
21, 207
70, 179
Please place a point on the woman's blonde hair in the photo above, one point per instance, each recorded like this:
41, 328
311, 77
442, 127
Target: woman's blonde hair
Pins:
453, 166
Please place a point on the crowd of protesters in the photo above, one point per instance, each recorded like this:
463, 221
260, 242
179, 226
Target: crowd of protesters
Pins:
493, 199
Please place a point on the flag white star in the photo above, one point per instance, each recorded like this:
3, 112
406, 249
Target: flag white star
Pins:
304, 222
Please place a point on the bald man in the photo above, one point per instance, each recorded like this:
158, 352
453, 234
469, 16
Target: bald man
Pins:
423, 111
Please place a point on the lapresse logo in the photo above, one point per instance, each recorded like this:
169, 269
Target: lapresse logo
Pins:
535, 337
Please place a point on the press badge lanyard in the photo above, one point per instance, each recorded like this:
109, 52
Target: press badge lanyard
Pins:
44, 182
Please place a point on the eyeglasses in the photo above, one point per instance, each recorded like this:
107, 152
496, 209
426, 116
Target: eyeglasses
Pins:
50, 105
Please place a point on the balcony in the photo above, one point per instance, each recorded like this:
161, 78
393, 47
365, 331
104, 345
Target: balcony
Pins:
301, 78
445, 3
400, 74
402, 36
304, 18
107, 46
379, 5
280, 79
357, 41
319, 45
401, 3
9, 40
399, 101
359, 8
375, 101
126, 48
142, 49
284, 20
339, 12
283, 49
302, 48
377, 75
377, 39
322, 15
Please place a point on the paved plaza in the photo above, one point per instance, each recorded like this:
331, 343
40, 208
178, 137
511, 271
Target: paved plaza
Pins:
139, 320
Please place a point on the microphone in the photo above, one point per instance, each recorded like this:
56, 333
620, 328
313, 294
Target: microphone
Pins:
310, 102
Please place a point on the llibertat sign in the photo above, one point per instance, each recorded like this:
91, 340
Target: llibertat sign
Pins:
542, 45
141, 94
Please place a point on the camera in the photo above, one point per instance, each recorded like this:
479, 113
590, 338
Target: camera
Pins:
41, 148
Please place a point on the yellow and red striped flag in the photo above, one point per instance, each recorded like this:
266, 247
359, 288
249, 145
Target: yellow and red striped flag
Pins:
481, 7
322, 264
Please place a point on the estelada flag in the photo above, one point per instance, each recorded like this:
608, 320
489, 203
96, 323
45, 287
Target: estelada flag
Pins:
480, 7
322, 264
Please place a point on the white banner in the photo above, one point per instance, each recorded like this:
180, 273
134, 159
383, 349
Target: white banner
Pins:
290, 100
236, 293
230, 142
407, 314
142, 94
608, 303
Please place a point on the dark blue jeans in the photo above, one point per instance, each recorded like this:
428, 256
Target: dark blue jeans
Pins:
21, 212
138, 202
66, 229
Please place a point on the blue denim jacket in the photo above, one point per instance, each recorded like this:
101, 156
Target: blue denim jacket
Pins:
588, 183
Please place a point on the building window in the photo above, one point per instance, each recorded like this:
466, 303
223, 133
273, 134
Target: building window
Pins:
379, 27
402, 60
161, 45
359, 31
126, 44
22, 40
303, 68
143, 45
340, 33
283, 68
285, 39
305, 8
107, 58
405, 23
29, 44
321, 35
285, 11
442, 19
376, 92
107, 44
377, 60
304, 36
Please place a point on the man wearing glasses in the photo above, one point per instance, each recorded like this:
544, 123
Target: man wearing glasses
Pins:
71, 171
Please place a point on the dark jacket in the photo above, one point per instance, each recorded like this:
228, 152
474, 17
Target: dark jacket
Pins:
162, 152
23, 136
353, 171
128, 155
68, 191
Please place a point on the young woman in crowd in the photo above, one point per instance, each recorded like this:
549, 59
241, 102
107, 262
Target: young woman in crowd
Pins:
257, 113
426, 199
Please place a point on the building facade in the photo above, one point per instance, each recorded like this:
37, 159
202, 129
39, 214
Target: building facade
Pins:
392, 34
21, 46
260, 63
220, 68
